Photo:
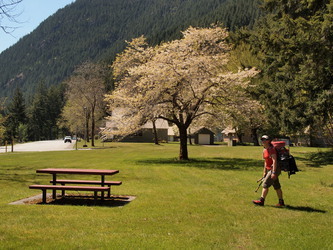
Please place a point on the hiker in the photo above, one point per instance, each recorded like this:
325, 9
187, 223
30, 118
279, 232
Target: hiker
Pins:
271, 172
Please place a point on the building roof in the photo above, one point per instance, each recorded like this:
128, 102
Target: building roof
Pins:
200, 130
160, 124
228, 130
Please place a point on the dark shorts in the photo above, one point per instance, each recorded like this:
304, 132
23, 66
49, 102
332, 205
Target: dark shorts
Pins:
268, 181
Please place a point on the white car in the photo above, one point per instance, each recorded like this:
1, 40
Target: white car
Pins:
68, 139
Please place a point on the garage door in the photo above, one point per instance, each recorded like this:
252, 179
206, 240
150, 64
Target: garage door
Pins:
204, 139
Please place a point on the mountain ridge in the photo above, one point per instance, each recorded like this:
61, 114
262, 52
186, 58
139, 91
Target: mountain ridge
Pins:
97, 30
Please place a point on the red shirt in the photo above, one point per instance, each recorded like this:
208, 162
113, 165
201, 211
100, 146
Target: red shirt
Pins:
267, 154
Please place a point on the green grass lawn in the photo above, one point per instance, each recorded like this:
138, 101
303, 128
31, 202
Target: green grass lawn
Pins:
201, 204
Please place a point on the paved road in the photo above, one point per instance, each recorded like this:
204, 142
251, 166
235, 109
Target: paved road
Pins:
39, 146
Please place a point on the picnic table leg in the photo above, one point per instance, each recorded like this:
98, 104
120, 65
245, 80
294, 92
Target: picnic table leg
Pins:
102, 184
63, 191
95, 196
54, 192
44, 195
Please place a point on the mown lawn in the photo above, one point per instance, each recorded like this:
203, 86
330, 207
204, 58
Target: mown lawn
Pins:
201, 204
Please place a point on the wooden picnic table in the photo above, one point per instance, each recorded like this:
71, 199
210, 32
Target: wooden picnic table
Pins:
56, 171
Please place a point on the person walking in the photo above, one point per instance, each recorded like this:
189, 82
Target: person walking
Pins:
271, 173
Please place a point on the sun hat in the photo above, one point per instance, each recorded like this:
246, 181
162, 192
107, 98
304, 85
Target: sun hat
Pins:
265, 137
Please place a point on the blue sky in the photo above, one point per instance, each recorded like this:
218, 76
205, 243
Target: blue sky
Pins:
33, 12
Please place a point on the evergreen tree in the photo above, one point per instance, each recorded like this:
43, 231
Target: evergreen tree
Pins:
2, 120
294, 42
44, 113
38, 117
16, 116
55, 103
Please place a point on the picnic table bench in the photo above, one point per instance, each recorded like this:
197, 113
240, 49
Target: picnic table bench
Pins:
55, 171
107, 183
63, 188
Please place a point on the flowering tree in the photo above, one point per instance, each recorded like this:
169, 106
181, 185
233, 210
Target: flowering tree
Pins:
179, 81
246, 115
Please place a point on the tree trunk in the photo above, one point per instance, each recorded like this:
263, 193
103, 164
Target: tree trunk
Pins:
239, 136
155, 132
190, 137
254, 136
93, 128
87, 128
183, 154
12, 139
313, 142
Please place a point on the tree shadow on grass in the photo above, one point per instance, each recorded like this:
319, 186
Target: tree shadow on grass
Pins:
320, 158
208, 163
18, 173
302, 209
18, 178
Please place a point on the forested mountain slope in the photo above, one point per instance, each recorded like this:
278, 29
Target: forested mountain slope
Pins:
96, 30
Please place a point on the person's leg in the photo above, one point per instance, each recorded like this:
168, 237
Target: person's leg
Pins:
268, 181
279, 193
261, 200
264, 192
280, 196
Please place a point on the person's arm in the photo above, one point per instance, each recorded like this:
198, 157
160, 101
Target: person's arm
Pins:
265, 170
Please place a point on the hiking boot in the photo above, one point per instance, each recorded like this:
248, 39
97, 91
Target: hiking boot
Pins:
281, 203
259, 202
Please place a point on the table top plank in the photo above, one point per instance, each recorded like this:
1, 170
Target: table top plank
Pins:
77, 171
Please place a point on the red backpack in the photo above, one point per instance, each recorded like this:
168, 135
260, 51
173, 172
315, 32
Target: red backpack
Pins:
285, 161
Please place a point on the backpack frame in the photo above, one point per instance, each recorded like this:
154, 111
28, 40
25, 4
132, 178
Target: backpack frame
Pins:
285, 161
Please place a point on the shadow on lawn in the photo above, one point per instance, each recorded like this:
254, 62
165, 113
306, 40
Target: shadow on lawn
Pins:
320, 158
85, 200
20, 173
16, 177
303, 209
209, 163
316, 159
